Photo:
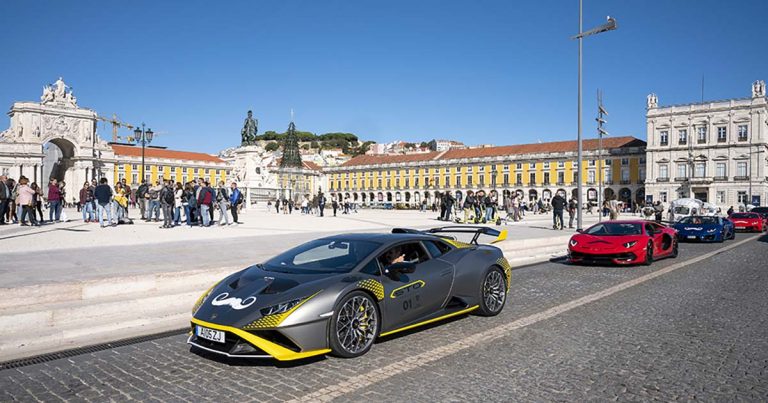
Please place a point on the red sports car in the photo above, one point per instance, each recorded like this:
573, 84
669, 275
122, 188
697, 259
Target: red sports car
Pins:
748, 222
623, 242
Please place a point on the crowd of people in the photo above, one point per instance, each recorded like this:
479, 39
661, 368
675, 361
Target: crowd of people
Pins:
21, 202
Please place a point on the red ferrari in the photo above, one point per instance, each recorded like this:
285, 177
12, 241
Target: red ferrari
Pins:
748, 222
623, 242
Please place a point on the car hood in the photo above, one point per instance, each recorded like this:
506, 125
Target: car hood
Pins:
695, 227
603, 243
238, 299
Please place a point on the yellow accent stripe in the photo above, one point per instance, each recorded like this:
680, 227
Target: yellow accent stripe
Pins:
270, 321
275, 350
392, 294
502, 236
426, 322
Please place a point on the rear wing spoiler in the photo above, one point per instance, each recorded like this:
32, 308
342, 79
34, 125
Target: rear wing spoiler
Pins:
444, 232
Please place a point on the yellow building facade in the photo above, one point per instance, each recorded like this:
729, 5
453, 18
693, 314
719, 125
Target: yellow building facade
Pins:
533, 171
178, 166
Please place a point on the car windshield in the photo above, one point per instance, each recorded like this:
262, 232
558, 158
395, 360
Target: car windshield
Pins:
331, 255
743, 215
615, 228
699, 220
682, 210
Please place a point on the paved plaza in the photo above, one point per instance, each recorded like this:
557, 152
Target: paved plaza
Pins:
676, 330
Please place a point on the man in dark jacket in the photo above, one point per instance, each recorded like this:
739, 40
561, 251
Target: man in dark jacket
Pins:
166, 202
5, 197
141, 198
103, 195
205, 201
558, 205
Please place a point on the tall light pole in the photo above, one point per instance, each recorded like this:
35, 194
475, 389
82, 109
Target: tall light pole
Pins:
609, 26
601, 113
143, 137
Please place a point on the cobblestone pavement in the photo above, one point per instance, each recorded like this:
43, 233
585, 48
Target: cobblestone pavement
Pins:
698, 332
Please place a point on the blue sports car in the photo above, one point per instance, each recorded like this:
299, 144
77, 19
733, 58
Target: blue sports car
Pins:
704, 229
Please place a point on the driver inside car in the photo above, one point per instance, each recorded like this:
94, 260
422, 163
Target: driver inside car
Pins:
394, 255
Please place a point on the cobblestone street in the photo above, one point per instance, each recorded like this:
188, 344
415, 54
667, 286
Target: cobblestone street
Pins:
695, 332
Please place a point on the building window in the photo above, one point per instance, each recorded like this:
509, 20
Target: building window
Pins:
560, 178
609, 162
546, 165
519, 165
720, 171
591, 176
135, 166
722, 134
608, 175
458, 181
741, 196
532, 179
743, 133
575, 177
682, 136
664, 137
624, 175
663, 197
682, 170
701, 134
469, 181
591, 163
546, 178
134, 178
700, 170
469, 170
482, 168
482, 180
664, 171
561, 164
720, 197
641, 173
506, 179
741, 169
519, 178
416, 182
447, 181
624, 161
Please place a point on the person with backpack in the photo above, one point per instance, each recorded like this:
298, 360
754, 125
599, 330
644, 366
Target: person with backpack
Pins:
189, 201
572, 206
154, 202
222, 201
205, 201
235, 200
167, 200
558, 205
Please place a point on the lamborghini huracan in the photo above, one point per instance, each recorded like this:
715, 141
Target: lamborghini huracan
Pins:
339, 294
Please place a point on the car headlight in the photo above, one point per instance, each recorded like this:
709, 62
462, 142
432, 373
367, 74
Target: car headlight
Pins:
630, 244
712, 230
574, 242
282, 307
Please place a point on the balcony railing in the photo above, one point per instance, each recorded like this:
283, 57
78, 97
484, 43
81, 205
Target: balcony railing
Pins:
721, 139
701, 179
681, 178
625, 182
518, 183
664, 143
701, 141
607, 182
741, 178
662, 179
720, 178
560, 183
682, 142
742, 138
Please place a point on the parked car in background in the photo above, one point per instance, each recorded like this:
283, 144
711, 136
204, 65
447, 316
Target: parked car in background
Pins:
753, 222
704, 229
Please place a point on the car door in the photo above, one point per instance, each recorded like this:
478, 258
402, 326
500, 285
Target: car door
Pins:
411, 296
653, 231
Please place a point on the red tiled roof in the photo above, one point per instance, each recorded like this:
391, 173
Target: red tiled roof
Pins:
307, 164
389, 159
162, 153
535, 148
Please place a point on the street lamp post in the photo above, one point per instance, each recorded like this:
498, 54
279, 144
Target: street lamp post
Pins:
609, 26
143, 137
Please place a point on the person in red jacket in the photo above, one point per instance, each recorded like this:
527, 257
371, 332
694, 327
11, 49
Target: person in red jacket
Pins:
54, 199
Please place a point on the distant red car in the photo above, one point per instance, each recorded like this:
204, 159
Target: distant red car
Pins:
748, 222
623, 243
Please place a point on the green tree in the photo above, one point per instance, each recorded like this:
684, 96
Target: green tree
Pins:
424, 144
305, 146
272, 146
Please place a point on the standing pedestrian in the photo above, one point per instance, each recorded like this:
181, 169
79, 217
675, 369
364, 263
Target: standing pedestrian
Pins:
54, 200
572, 206
321, 202
26, 201
103, 195
222, 201
86, 202
141, 198
235, 200
167, 199
335, 206
5, 196
178, 194
205, 201
613, 208
558, 205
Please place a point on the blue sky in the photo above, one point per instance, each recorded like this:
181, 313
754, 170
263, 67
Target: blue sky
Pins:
480, 71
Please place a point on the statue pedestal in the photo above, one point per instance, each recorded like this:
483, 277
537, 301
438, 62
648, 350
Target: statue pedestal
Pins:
251, 172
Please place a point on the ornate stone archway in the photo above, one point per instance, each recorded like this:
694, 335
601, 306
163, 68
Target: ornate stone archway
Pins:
57, 121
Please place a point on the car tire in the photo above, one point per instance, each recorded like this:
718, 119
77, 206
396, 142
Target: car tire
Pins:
352, 331
675, 247
492, 292
648, 254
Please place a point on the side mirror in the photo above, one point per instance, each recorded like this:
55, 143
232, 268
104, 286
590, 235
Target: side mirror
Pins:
580, 231
396, 269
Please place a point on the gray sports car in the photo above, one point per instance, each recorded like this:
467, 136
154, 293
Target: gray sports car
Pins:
340, 293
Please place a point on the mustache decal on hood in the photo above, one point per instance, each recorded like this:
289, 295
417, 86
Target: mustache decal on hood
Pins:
235, 303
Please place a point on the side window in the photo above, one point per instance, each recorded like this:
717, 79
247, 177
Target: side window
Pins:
648, 229
437, 248
372, 268
409, 252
